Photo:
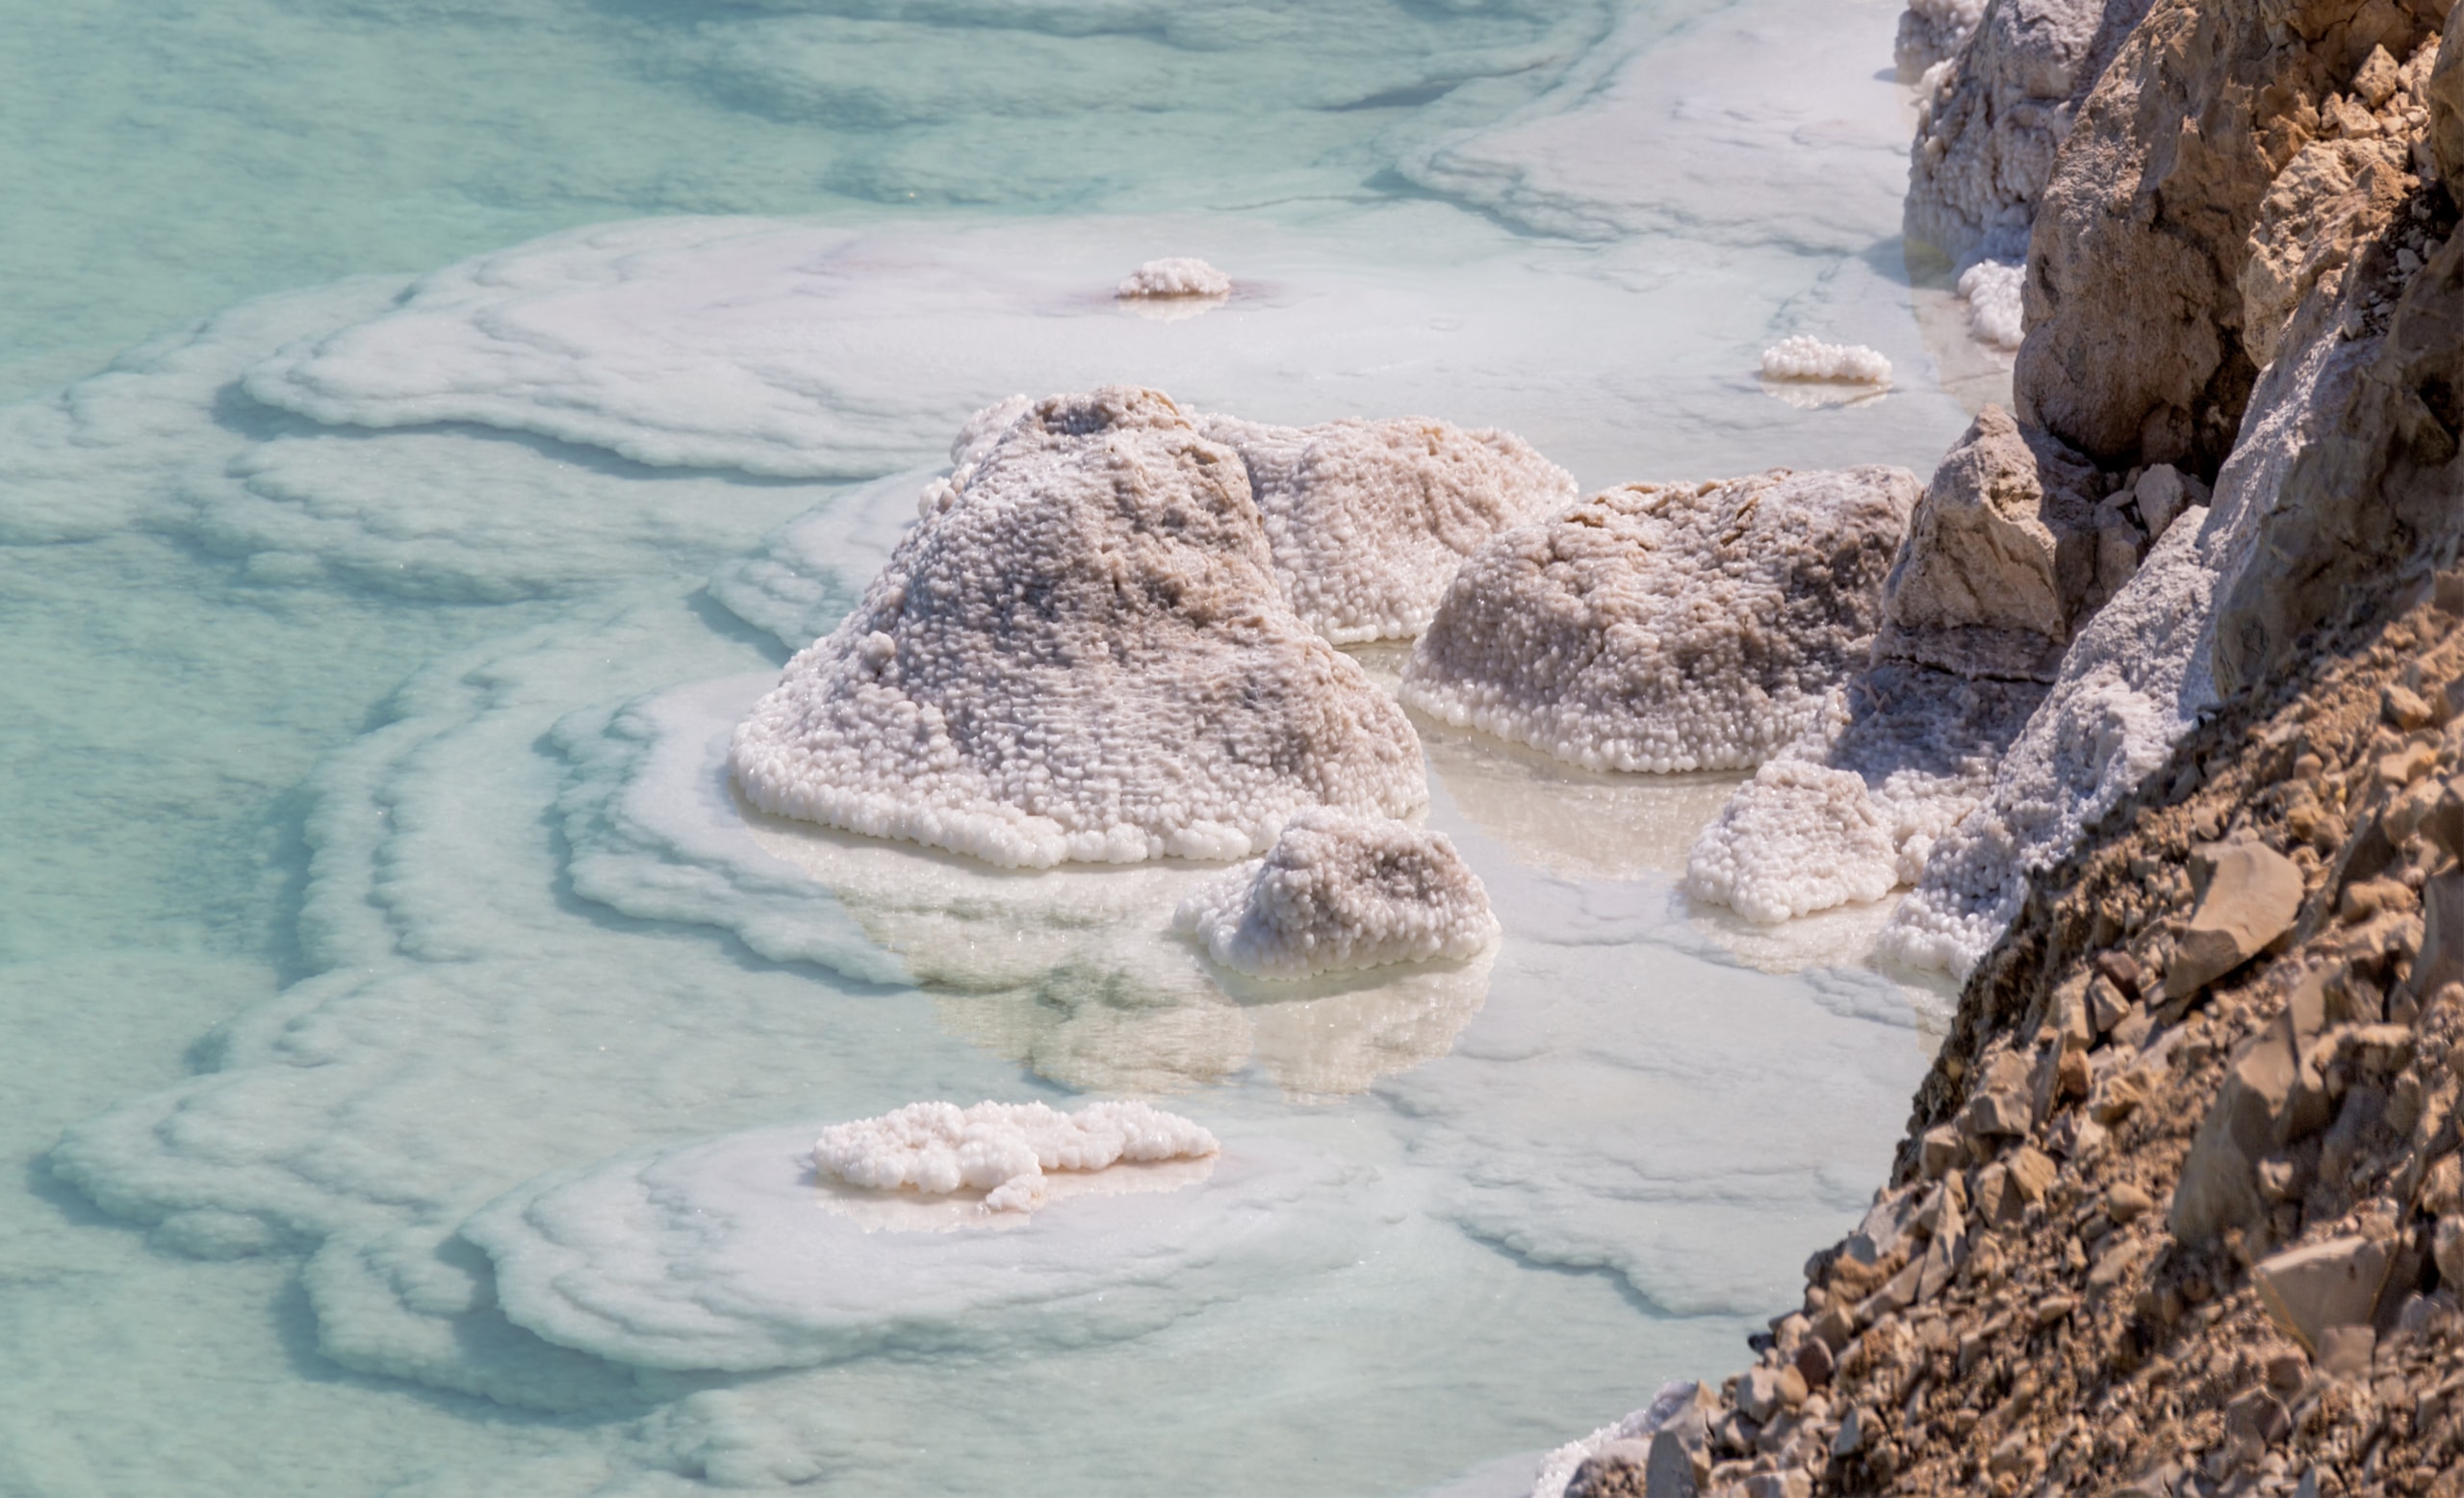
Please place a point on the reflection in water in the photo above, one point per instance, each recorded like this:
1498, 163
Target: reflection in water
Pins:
912, 1211
1075, 972
1814, 394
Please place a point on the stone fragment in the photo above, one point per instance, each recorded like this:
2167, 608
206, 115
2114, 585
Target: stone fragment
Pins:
2250, 896
2107, 1004
2271, 1097
2447, 1249
1814, 1362
2442, 955
2309, 1290
1676, 1466
1837, 1327
1790, 1484
1854, 1427
2053, 1309
2031, 1171
1939, 1151
2002, 1104
1763, 1392
2127, 1203
2001, 557
2444, 91
2405, 709
1619, 1469
2345, 1352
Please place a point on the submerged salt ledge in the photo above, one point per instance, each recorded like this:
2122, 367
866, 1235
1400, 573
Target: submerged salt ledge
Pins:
1002, 1149
1175, 278
1138, 690
1338, 892
1806, 357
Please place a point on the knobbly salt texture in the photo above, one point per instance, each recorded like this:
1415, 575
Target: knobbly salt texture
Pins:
1851, 811
1337, 892
1807, 357
1081, 654
1001, 1148
1177, 276
1368, 520
1991, 288
1663, 627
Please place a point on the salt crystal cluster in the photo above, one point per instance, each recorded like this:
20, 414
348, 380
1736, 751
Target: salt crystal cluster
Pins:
1001, 1148
1668, 627
1177, 276
1337, 892
1369, 519
1933, 30
1991, 288
1806, 357
1080, 652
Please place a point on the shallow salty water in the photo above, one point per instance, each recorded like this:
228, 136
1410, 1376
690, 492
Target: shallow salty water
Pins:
382, 963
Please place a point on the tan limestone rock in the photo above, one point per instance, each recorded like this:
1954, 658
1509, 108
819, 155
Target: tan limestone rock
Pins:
2001, 557
2322, 207
2252, 894
2313, 1289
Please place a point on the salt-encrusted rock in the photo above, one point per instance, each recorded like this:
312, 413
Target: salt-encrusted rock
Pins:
1368, 520
1081, 654
1931, 30
1806, 357
2001, 557
1620, 1469
1995, 312
1850, 812
1179, 275
1001, 1148
1339, 892
1663, 627
1991, 118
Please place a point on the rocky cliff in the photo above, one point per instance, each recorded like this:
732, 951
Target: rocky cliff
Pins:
2180, 1208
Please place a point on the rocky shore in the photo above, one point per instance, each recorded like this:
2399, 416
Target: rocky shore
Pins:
2180, 1207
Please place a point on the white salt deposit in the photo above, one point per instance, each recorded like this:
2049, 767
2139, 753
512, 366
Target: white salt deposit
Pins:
1339, 892
1370, 520
1175, 278
729, 1254
1667, 627
1991, 288
1931, 30
1080, 655
1807, 357
1001, 1148
1853, 810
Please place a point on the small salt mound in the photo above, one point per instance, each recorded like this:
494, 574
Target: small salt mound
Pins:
1665, 627
1805, 358
1001, 1148
1369, 519
1177, 276
1080, 654
1992, 290
1337, 893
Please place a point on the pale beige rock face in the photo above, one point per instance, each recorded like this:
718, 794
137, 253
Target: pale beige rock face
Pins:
2001, 557
2323, 206
2134, 290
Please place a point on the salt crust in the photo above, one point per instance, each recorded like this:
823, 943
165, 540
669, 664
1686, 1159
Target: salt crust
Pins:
1337, 892
1991, 288
1807, 357
1139, 690
1177, 276
1370, 520
1661, 627
1851, 811
2132, 684
1558, 1468
1085, 986
1001, 1148
1931, 30
730, 1253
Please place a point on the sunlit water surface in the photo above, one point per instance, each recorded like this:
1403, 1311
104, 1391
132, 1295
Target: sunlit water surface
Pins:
404, 1038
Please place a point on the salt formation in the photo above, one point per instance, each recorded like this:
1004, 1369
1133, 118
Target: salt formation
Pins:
1667, 627
1080, 655
1339, 892
1807, 357
1175, 278
1370, 520
1991, 288
2008, 551
1001, 1148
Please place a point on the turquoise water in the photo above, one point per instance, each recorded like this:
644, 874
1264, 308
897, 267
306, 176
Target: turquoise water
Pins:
364, 639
